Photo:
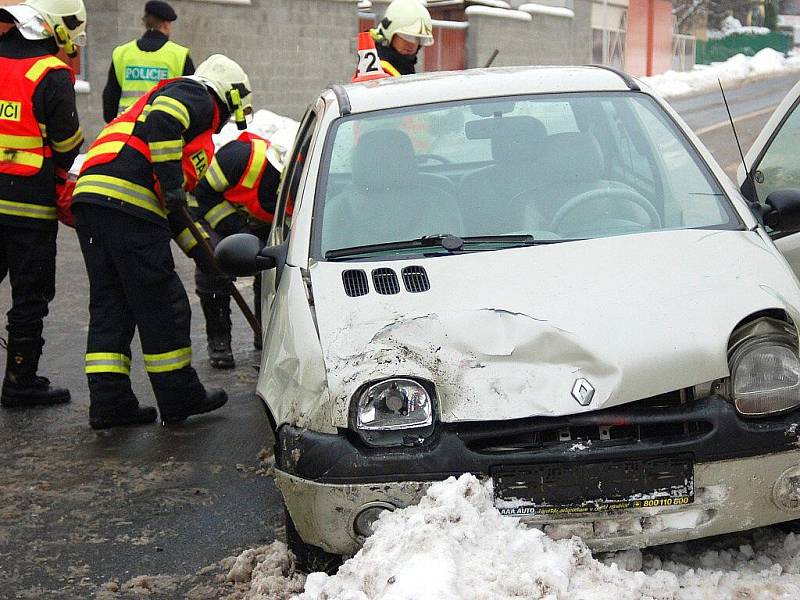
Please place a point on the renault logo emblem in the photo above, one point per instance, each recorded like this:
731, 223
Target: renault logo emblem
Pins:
583, 392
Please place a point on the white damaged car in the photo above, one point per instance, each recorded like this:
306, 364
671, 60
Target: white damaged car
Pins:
539, 276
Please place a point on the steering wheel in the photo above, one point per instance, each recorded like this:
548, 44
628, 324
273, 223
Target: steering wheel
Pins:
421, 158
627, 194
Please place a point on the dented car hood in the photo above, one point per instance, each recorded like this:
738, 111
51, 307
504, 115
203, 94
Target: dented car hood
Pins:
507, 334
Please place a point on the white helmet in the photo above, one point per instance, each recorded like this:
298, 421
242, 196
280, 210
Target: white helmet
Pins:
409, 19
230, 83
64, 20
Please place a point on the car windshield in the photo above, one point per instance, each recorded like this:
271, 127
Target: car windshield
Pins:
553, 167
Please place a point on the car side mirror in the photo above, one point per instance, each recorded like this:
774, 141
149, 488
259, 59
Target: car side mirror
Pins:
782, 210
242, 254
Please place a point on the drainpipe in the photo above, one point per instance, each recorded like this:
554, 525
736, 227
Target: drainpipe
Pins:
651, 23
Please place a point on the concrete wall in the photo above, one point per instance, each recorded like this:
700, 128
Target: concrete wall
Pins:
542, 39
290, 48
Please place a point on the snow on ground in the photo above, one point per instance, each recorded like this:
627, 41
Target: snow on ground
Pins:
455, 545
735, 70
731, 25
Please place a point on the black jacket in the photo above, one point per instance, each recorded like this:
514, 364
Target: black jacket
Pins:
149, 42
53, 105
132, 166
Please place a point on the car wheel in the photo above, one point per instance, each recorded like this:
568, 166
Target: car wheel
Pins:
308, 558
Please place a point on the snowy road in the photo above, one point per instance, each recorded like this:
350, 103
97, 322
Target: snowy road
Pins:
751, 105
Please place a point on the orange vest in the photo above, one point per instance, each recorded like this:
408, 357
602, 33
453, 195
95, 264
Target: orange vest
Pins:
245, 191
118, 133
23, 140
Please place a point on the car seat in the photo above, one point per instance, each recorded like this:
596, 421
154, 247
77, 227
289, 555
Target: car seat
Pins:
387, 199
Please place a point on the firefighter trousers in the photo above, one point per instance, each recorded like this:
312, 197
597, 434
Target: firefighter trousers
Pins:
133, 285
28, 257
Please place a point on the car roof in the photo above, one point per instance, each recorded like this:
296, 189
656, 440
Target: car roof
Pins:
444, 86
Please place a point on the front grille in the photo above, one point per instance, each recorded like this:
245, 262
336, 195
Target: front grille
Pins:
415, 279
385, 281
661, 418
355, 283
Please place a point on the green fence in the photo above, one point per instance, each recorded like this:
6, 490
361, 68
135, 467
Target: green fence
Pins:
709, 51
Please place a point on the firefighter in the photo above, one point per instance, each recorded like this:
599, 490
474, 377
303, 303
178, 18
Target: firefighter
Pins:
129, 201
39, 139
405, 28
140, 64
245, 174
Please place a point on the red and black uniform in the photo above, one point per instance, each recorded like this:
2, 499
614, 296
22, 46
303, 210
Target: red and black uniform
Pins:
159, 145
237, 194
39, 139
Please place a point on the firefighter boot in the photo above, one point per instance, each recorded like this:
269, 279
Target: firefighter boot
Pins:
213, 399
217, 311
22, 386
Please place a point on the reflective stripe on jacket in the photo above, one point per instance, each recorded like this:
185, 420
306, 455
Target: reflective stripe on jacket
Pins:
120, 133
244, 192
23, 140
138, 71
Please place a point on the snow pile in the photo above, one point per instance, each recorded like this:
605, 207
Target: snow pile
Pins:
731, 25
269, 570
279, 130
736, 69
455, 545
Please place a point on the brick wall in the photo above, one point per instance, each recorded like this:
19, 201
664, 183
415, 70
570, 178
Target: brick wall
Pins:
290, 48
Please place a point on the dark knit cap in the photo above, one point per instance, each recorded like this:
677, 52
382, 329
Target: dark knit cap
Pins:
160, 10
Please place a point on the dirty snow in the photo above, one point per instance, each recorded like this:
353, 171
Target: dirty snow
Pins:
735, 70
455, 545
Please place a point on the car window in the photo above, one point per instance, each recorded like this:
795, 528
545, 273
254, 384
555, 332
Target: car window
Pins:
688, 199
292, 174
551, 166
779, 167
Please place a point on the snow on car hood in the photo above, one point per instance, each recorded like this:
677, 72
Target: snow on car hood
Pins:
506, 334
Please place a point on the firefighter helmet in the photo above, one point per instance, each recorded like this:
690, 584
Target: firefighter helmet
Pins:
230, 83
64, 20
409, 19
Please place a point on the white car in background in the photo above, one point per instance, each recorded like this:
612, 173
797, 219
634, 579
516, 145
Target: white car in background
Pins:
539, 276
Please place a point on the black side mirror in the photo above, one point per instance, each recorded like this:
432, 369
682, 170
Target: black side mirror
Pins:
242, 254
782, 210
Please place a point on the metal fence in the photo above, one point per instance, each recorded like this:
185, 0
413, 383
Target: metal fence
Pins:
709, 51
683, 51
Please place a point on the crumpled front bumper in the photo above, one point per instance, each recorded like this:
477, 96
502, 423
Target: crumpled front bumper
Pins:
730, 495
327, 479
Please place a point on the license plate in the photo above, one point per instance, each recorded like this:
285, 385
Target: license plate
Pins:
567, 488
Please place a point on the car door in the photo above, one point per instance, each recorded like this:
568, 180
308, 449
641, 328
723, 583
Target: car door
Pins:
773, 163
287, 194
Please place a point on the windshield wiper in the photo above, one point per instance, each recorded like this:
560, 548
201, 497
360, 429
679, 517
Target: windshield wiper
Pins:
447, 241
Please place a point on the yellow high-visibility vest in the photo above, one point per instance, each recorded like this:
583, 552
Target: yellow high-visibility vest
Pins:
138, 71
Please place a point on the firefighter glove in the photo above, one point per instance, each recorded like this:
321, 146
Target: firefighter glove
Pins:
175, 199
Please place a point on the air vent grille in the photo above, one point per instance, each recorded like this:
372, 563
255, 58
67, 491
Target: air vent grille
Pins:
385, 281
416, 279
355, 282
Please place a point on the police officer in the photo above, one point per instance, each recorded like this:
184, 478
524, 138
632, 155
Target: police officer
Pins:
405, 28
140, 64
39, 139
245, 175
128, 204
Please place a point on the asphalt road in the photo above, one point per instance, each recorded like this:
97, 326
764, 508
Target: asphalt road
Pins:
79, 508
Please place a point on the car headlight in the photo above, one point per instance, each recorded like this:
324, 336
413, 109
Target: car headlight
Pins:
765, 375
393, 412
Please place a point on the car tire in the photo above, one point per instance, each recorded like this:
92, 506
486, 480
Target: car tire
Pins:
308, 558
